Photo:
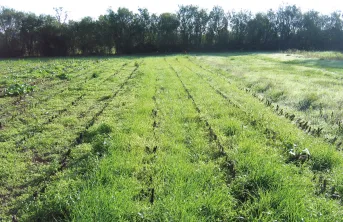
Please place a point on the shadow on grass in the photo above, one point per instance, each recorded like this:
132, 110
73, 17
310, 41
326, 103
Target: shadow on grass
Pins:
141, 55
317, 63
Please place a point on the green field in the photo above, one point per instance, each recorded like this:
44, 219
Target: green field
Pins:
207, 137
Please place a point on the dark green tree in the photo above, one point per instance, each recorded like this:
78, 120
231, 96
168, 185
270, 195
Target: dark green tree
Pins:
10, 25
168, 35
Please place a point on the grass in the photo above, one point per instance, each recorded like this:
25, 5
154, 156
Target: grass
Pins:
327, 55
168, 138
310, 88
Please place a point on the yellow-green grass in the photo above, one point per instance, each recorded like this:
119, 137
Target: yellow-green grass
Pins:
330, 55
309, 88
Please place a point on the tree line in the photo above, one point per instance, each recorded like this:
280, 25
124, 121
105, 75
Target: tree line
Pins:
189, 29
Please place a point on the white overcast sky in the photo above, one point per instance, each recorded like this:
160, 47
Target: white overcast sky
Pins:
81, 8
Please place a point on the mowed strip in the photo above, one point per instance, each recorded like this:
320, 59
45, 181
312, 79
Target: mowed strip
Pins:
254, 113
115, 190
76, 95
265, 184
309, 88
188, 182
290, 142
160, 163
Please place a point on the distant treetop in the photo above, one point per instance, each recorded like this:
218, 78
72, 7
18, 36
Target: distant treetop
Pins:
189, 29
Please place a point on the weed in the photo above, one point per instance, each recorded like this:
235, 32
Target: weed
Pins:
104, 129
340, 128
19, 89
62, 76
276, 95
261, 88
95, 75
308, 102
233, 128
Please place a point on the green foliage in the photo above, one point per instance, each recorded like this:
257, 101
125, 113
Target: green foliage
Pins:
62, 76
19, 89
308, 101
329, 55
100, 139
95, 75
299, 85
170, 140
189, 29
263, 87
276, 95
233, 128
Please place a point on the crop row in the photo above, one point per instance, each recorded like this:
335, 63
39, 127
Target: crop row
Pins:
46, 162
252, 130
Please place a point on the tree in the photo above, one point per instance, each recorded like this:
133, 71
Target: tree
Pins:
260, 33
10, 25
190, 29
86, 31
310, 33
334, 31
29, 33
187, 16
145, 33
239, 28
200, 23
61, 15
104, 34
122, 23
217, 34
52, 39
288, 24
168, 38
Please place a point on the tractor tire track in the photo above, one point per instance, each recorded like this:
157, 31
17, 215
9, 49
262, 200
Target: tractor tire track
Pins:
226, 162
150, 156
213, 136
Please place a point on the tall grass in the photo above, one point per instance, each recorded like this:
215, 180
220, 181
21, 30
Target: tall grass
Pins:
327, 55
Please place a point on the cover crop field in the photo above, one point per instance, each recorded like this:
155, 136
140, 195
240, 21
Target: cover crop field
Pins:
207, 137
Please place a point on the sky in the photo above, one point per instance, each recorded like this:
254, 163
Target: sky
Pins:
78, 9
